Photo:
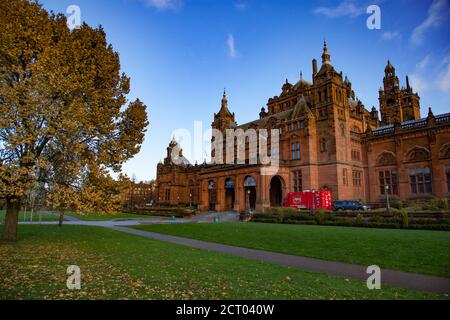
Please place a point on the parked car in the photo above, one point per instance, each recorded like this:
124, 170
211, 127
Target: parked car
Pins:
349, 205
150, 203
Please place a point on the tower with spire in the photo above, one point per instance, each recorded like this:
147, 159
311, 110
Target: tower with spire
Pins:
397, 104
224, 119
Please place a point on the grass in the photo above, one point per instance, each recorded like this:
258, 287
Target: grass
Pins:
111, 216
26, 215
419, 251
46, 216
115, 265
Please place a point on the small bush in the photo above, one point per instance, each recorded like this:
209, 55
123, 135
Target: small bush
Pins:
443, 204
321, 216
359, 218
405, 218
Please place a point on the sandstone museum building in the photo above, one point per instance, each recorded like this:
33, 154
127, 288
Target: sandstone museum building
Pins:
327, 140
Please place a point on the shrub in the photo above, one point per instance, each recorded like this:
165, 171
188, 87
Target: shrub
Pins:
376, 218
359, 218
405, 219
321, 216
443, 204
394, 201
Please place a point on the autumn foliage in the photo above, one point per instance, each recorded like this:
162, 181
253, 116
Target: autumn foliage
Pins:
64, 117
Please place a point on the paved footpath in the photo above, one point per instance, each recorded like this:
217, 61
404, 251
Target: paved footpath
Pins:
400, 279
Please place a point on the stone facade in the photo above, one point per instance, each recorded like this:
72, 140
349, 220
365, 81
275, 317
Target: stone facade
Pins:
327, 139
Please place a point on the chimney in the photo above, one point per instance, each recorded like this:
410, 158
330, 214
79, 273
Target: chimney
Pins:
314, 65
407, 82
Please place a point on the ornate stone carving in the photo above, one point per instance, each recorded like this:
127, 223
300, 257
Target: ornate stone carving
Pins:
444, 152
387, 158
418, 154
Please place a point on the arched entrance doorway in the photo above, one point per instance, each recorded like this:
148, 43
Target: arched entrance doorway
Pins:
250, 192
212, 195
276, 192
229, 194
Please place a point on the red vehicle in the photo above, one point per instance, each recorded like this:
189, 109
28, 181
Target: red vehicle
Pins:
321, 199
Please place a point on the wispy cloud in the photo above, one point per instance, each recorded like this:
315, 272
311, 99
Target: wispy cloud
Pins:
432, 74
242, 5
418, 78
231, 46
438, 13
390, 35
443, 78
344, 8
164, 4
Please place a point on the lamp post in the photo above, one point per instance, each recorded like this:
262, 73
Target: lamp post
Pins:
386, 188
190, 200
248, 200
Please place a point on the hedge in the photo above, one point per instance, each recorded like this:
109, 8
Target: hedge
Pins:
374, 221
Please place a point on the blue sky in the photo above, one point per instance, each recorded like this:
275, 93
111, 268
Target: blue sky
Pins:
180, 54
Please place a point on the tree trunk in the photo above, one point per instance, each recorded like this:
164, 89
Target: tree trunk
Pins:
61, 218
11, 220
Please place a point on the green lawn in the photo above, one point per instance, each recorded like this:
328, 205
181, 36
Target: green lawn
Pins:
122, 266
27, 216
111, 216
418, 251
86, 217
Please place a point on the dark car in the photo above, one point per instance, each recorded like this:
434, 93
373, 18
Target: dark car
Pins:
349, 205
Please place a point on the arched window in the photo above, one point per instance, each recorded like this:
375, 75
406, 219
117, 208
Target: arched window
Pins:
249, 182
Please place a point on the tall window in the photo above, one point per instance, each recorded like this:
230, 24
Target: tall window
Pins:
356, 178
447, 169
295, 125
295, 151
356, 155
388, 178
167, 195
420, 180
344, 177
297, 181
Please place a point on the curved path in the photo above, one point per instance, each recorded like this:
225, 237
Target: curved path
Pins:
413, 281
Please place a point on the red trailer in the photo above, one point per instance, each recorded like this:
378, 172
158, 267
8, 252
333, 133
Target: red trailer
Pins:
321, 199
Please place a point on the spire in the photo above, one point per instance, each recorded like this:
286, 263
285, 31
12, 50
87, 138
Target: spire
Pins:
224, 99
407, 83
389, 68
224, 111
301, 75
325, 56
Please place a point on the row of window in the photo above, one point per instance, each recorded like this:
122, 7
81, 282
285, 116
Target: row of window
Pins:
295, 125
419, 180
356, 155
356, 177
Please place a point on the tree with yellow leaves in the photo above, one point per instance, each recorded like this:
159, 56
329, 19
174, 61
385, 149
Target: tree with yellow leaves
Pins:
62, 105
